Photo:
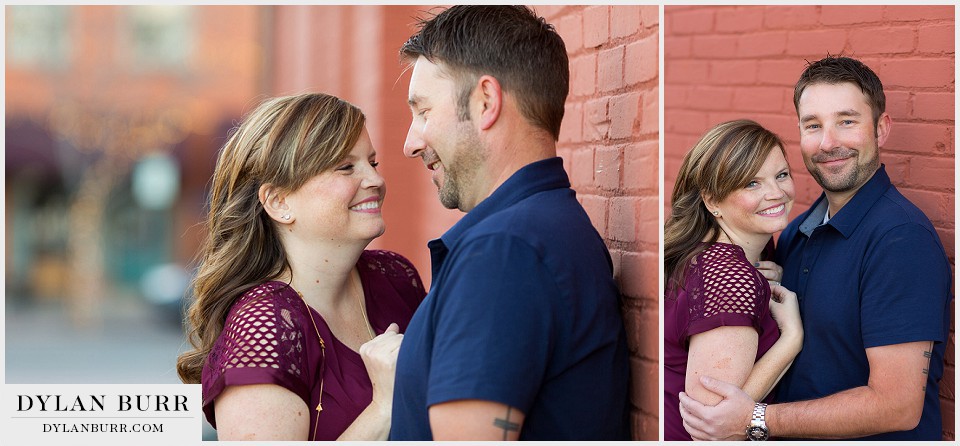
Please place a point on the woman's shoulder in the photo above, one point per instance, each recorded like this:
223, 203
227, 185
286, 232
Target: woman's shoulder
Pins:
726, 265
267, 299
395, 267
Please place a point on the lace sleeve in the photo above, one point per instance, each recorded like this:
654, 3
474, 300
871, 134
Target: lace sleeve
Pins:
731, 291
398, 270
261, 343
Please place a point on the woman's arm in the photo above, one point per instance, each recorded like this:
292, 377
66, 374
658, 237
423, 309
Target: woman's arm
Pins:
771, 367
261, 412
728, 353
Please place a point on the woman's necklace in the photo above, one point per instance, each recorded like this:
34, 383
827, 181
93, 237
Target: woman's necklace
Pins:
323, 365
323, 348
363, 312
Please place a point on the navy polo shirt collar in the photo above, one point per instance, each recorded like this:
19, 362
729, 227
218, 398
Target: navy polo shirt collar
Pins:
847, 219
533, 178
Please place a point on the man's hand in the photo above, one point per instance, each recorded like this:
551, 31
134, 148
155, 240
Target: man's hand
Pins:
726, 421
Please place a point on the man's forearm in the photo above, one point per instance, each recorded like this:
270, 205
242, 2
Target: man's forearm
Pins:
853, 413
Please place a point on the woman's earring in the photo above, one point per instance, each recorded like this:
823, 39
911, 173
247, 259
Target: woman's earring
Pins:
286, 217
716, 213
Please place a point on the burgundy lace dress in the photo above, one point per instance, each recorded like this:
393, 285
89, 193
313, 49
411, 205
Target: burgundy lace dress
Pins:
720, 288
268, 338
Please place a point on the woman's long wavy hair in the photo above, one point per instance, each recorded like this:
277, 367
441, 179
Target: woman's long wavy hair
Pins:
725, 159
285, 141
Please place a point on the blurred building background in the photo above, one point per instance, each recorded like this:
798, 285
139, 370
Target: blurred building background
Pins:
733, 62
115, 114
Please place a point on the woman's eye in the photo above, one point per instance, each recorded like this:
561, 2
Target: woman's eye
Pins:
374, 164
345, 167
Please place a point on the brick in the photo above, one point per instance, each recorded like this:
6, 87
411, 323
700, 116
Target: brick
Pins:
932, 172
624, 21
595, 119
608, 164
848, 15
897, 166
948, 238
786, 17
571, 128
733, 72
644, 426
570, 29
933, 106
677, 47
642, 60
596, 208
948, 384
648, 220
641, 275
650, 16
622, 221
685, 71
683, 121
711, 98
758, 99
640, 166
610, 69
650, 116
779, 72
898, 104
936, 38
623, 114
596, 26
762, 44
583, 75
738, 19
910, 13
675, 96
914, 72
920, 138
882, 40
697, 21
582, 170
817, 42
715, 46
928, 202
949, 415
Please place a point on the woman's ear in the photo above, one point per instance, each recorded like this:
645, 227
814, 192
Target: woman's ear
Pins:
710, 204
274, 201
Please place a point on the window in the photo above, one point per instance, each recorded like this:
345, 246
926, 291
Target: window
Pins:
38, 36
160, 37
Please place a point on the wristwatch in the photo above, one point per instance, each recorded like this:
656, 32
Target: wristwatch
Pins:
757, 430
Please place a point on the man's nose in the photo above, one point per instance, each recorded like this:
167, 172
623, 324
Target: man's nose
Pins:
414, 145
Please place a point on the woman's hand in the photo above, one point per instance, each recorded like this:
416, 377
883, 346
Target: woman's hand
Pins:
380, 358
785, 309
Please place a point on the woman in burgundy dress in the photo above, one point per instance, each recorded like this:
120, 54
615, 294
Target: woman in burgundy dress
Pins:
733, 192
296, 326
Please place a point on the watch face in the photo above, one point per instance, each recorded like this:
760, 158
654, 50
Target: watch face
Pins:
757, 433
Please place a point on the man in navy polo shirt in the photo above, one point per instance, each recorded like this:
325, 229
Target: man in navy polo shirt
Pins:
872, 279
521, 335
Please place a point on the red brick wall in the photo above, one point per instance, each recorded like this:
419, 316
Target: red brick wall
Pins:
723, 63
609, 143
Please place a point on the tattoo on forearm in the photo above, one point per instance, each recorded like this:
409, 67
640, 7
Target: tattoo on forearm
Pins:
926, 370
507, 425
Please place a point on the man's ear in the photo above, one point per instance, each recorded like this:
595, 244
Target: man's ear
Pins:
883, 129
274, 201
489, 96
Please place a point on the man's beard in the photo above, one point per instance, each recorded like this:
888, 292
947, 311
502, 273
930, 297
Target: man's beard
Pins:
462, 174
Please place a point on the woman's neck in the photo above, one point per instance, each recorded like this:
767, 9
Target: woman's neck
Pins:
752, 245
322, 272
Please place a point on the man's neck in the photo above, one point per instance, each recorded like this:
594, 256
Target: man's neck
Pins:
837, 200
510, 157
